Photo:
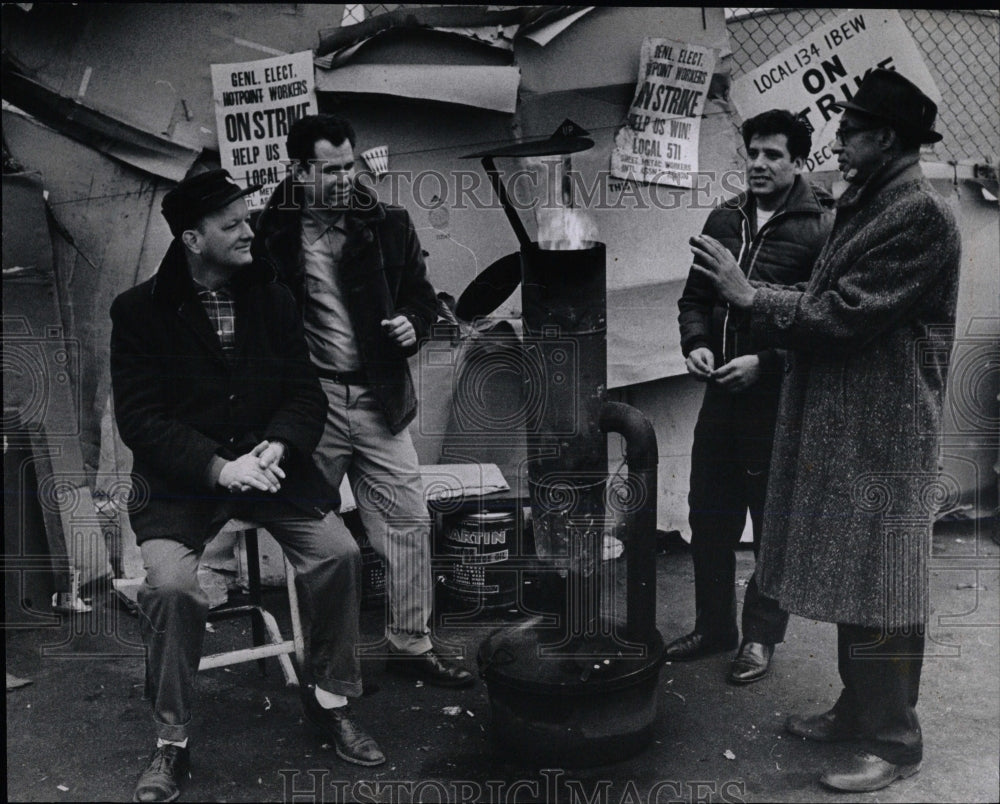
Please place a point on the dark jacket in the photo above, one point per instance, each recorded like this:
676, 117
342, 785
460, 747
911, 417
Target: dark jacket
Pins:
854, 484
383, 273
782, 252
179, 400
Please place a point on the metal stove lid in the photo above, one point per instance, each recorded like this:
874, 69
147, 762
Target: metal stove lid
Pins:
568, 138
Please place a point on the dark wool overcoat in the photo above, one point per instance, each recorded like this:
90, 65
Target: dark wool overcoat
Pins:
854, 483
179, 401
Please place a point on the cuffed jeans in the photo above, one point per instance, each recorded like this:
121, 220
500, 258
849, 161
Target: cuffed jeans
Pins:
881, 676
730, 460
173, 610
384, 474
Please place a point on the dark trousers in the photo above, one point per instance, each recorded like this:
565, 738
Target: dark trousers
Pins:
730, 459
173, 611
881, 676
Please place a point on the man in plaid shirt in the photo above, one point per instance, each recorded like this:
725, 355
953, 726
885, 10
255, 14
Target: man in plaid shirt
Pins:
218, 401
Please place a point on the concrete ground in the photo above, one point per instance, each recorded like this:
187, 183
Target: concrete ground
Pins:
81, 730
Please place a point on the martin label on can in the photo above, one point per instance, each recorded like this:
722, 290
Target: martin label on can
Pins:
479, 546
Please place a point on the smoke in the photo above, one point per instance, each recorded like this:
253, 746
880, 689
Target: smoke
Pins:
561, 226
564, 229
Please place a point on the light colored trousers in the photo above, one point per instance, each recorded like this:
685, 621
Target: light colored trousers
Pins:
384, 474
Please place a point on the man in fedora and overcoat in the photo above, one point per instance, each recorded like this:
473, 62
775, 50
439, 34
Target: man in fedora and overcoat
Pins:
217, 399
854, 477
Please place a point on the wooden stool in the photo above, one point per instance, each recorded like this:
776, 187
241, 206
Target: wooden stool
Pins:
267, 638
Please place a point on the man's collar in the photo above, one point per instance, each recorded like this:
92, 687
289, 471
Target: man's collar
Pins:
224, 288
318, 220
901, 166
173, 282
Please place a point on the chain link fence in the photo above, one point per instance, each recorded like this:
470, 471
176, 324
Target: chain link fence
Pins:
960, 48
358, 12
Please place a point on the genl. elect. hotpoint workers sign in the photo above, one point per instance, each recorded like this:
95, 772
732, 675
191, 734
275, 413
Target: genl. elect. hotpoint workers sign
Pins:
256, 103
826, 68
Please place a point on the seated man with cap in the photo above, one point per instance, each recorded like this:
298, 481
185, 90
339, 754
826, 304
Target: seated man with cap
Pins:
217, 399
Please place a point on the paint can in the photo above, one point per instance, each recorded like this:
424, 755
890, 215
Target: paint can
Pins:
478, 548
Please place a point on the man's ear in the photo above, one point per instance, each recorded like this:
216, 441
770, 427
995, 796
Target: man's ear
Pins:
887, 138
299, 171
191, 241
799, 164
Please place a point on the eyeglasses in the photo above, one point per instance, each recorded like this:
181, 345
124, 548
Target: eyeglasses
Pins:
844, 133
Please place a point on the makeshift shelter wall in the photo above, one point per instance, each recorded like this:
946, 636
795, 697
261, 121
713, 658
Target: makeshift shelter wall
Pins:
106, 208
148, 63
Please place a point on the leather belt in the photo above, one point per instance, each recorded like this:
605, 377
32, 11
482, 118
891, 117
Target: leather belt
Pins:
343, 377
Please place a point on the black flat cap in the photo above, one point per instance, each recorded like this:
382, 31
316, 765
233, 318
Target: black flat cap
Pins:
197, 196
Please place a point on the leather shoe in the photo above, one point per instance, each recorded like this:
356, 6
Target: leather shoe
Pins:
350, 741
828, 727
431, 668
162, 779
752, 663
696, 646
865, 773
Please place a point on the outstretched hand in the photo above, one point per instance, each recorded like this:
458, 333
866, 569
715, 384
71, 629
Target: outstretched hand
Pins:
714, 261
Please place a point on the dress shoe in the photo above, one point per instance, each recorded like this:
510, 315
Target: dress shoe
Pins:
865, 773
828, 727
430, 668
350, 741
162, 779
696, 646
752, 663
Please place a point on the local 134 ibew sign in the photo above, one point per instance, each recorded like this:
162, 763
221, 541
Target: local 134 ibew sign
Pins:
256, 103
826, 68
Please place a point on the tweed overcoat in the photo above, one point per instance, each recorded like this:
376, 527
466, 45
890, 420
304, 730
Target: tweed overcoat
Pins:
854, 483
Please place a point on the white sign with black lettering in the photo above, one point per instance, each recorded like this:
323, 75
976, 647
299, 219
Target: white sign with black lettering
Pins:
659, 142
826, 68
256, 103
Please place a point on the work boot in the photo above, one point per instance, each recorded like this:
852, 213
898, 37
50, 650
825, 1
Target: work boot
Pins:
351, 742
162, 779
828, 727
697, 646
752, 663
430, 668
865, 773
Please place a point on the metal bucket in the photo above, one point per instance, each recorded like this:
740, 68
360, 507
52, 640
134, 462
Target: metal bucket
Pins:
478, 547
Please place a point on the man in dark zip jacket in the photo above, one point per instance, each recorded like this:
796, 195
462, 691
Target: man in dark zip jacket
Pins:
775, 231
356, 268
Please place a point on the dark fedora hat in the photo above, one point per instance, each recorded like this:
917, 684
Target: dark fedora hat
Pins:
890, 97
197, 196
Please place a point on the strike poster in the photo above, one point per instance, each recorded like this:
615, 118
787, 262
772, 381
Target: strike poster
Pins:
255, 104
659, 142
826, 68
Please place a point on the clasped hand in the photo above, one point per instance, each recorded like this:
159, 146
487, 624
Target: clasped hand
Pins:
257, 469
401, 330
738, 374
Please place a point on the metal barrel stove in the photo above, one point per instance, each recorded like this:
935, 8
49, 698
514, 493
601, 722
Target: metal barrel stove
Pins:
579, 687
